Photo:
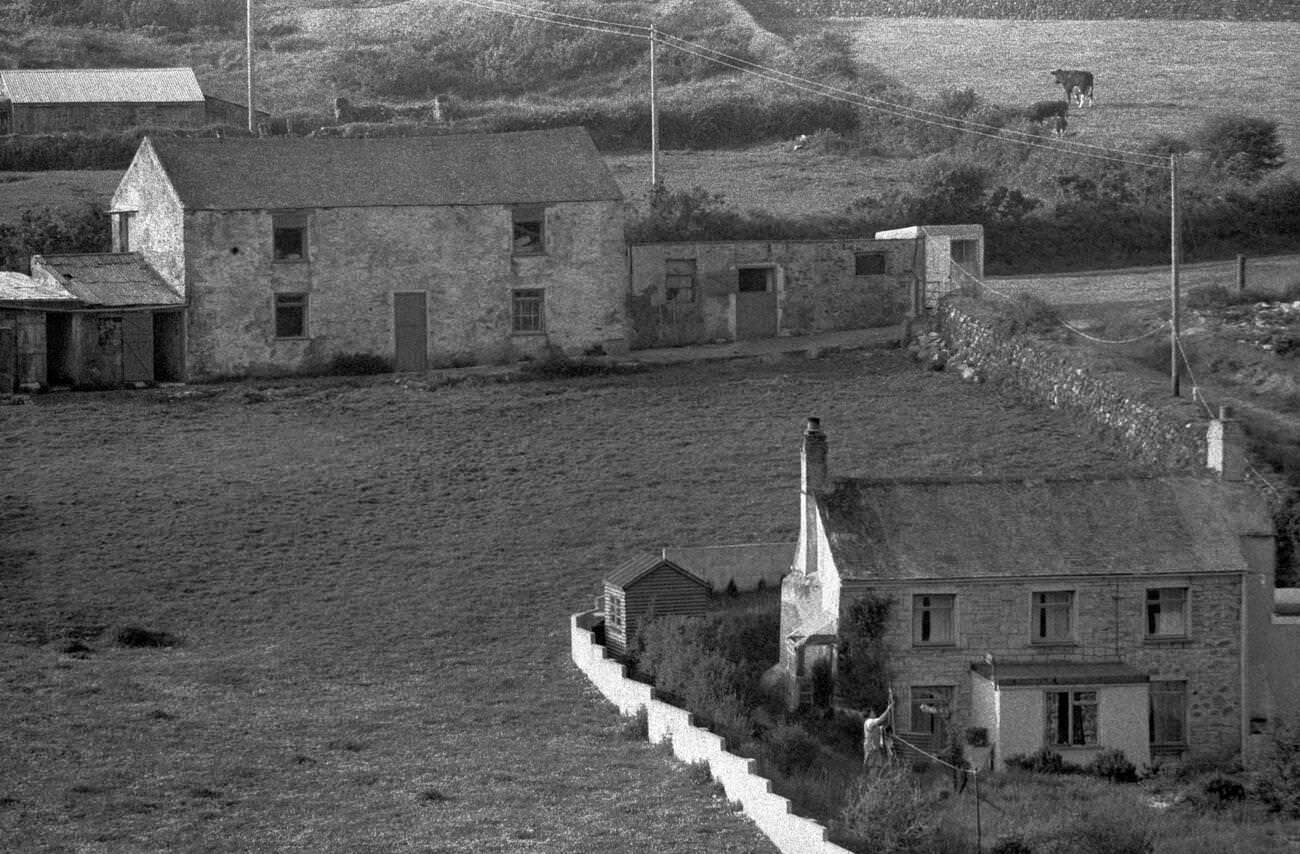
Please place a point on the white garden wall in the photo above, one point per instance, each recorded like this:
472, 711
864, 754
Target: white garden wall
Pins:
790, 833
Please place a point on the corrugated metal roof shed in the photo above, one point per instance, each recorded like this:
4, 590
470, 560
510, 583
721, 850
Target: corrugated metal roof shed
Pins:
107, 278
529, 167
101, 85
20, 287
999, 528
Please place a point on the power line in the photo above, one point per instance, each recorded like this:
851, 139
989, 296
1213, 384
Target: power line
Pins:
745, 66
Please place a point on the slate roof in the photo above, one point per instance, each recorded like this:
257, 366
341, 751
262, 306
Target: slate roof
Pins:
108, 279
530, 167
632, 570
20, 287
1001, 528
101, 85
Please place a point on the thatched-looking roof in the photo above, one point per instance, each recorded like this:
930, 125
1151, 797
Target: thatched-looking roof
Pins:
1005, 528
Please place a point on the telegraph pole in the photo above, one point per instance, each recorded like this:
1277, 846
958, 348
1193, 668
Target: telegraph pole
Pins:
1175, 250
654, 115
252, 112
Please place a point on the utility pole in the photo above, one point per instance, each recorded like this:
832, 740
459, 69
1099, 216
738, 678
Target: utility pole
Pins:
252, 112
654, 115
1175, 251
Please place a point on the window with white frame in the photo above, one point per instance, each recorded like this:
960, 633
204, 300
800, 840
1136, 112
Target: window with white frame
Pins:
1071, 718
528, 311
1168, 714
1053, 616
932, 619
1166, 612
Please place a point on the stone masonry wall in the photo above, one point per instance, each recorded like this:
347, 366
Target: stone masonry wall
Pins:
1156, 427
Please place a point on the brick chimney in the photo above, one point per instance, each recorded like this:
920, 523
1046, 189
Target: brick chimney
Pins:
814, 480
1225, 447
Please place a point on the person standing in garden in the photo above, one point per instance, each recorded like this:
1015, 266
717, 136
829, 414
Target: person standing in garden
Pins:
875, 752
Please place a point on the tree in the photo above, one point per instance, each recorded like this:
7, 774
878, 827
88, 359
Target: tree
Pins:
864, 675
1244, 146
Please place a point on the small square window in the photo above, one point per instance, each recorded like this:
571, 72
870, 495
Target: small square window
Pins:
1053, 615
965, 252
1166, 612
529, 230
289, 233
754, 279
527, 311
290, 315
869, 264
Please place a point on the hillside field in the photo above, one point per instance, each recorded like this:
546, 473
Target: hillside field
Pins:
370, 581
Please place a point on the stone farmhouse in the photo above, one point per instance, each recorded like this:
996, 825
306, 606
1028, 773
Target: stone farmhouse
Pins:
1071, 615
56, 100
431, 250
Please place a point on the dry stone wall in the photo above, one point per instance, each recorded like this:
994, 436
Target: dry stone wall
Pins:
1158, 428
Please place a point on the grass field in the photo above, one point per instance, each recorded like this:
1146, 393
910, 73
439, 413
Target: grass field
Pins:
370, 581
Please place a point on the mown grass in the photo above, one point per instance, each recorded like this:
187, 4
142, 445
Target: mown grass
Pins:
369, 586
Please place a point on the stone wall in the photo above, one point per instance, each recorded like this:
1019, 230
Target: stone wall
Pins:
1155, 426
791, 834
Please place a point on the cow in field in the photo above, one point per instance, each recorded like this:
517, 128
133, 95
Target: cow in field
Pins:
1077, 84
1050, 113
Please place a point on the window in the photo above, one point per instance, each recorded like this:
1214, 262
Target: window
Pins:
932, 619
1071, 718
869, 264
1167, 612
965, 252
679, 280
289, 236
122, 231
529, 230
753, 279
527, 311
1168, 714
290, 315
616, 611
1053, 616
930, 706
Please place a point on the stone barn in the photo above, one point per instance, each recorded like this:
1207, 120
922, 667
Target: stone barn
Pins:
56, 100
426, 252
700, 292
648, 584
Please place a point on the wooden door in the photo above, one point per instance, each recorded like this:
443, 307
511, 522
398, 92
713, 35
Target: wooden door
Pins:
755, 303
137, 347
410, 331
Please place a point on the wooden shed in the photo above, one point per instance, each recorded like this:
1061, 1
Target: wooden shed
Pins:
648, 583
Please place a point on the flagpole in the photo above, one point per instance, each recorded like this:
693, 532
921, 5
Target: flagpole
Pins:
248, 27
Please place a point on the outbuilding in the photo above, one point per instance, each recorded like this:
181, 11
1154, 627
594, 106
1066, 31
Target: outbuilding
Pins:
645, 585
56, 100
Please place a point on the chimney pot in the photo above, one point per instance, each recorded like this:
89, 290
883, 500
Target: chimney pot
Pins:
1225, 447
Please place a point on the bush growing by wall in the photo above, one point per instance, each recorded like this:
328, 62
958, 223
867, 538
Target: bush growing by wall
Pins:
47, 232
864, 671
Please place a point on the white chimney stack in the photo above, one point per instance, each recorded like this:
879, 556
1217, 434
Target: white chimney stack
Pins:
814, 480
1225, 450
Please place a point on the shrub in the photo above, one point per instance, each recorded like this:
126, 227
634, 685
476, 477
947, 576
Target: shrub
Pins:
1244, 146
888, 812
53, 231
1277, 783
1042, 761
789, 750
138, 637
1023, 314
864, 674
350, 364
1114, 766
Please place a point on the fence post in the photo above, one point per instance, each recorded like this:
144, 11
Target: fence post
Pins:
1241, 273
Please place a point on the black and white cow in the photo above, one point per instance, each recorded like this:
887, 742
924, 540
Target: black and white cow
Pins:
1077, 84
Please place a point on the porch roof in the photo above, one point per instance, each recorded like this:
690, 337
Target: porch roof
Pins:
1023, 674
